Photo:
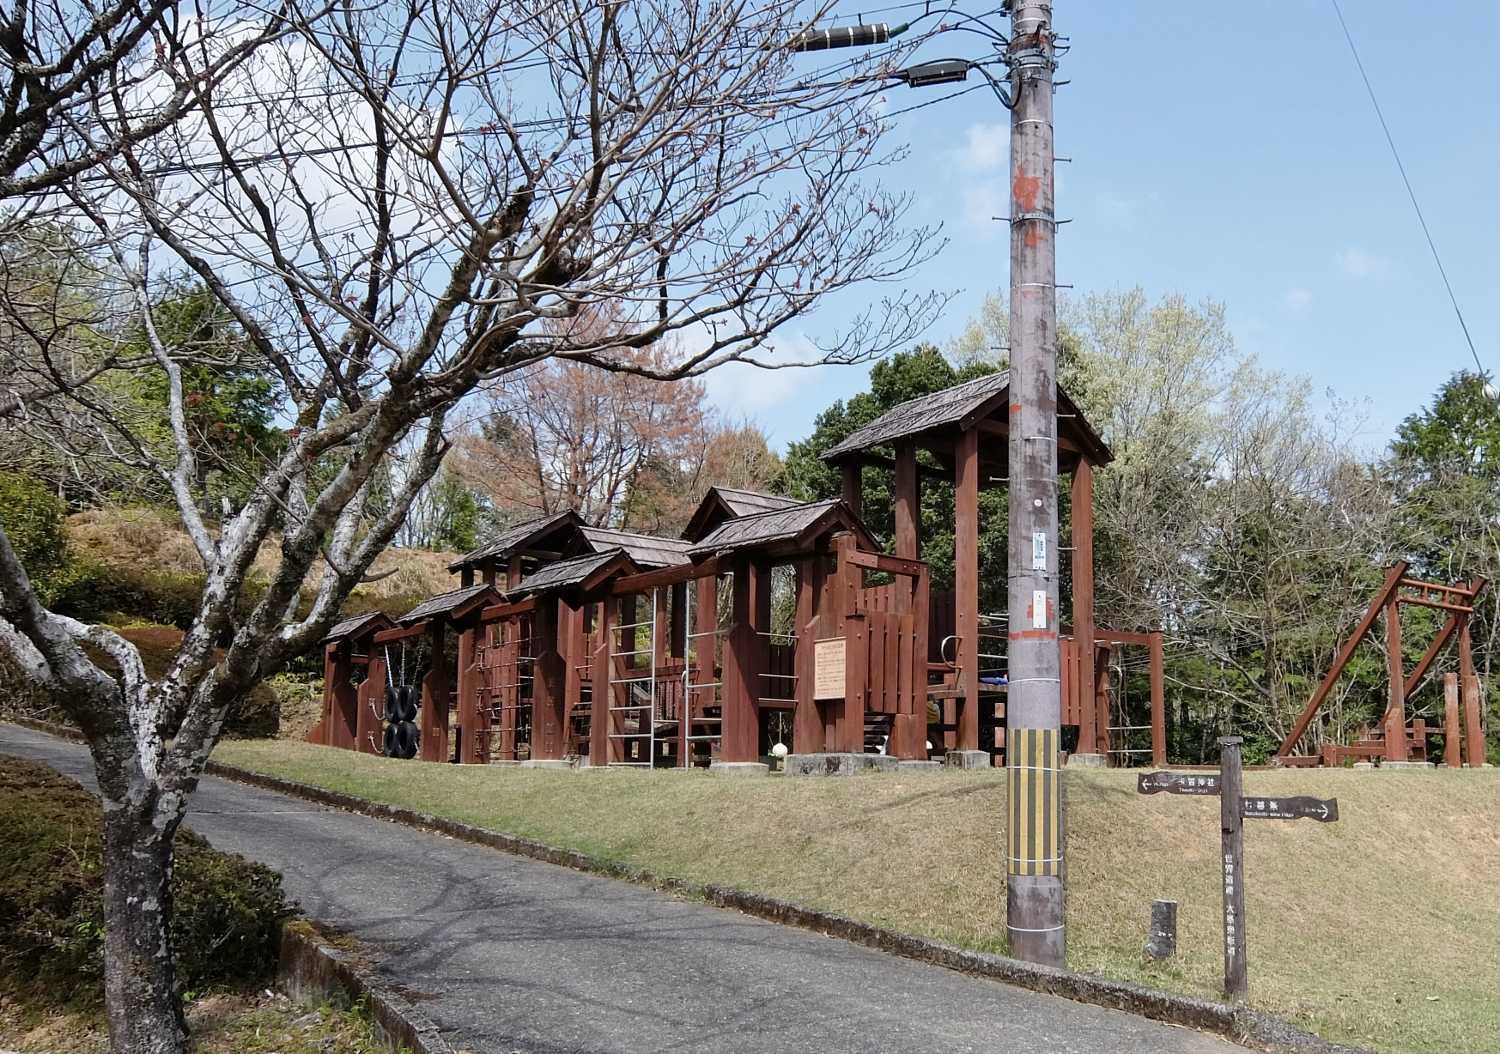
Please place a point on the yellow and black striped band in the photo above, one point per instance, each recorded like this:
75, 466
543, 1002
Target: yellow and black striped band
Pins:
1035, 828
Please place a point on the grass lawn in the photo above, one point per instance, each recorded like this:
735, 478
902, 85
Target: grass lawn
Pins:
219, 1023
1382, 929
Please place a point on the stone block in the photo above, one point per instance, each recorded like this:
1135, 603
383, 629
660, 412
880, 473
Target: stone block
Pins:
1088, 761
967, 759
738, 768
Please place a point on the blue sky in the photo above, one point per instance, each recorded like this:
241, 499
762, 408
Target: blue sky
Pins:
1218, 153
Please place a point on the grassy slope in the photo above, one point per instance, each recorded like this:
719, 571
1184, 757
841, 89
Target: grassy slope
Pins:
1353, 926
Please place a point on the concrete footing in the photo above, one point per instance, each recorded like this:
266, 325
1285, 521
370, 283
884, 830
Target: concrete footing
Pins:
1368, 766
920, 766
738, 768
548, 763
838, 764
1088, 761
967, 759
1407, 765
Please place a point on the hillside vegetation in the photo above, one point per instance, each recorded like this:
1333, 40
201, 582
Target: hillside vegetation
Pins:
1379, 930
138, 564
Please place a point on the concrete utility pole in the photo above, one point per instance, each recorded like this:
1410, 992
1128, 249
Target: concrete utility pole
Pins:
1034, 897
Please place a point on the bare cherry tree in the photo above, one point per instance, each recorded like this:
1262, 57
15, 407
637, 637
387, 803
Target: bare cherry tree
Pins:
396, 204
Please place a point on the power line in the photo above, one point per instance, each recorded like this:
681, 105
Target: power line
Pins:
1409, 191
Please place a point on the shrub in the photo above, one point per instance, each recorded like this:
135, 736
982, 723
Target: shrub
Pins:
228, 910
33, 520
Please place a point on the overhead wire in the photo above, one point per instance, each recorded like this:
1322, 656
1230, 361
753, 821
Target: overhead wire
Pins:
1421, 219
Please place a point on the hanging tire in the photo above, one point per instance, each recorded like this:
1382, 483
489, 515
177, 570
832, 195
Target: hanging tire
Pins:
408, 739
407, 711
392, 704
390, 748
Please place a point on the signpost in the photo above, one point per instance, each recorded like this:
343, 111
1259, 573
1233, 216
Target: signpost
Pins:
1234, 808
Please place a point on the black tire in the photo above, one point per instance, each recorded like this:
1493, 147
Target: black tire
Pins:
408, 739
392, 704
407, 711
390, 748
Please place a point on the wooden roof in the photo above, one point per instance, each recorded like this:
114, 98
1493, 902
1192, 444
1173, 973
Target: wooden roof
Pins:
783, 531
453, 604
513, 539
578, 572
727, 503
647, 550
358, 626
963, 406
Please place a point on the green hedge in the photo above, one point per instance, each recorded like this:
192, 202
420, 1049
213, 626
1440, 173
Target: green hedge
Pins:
225, 926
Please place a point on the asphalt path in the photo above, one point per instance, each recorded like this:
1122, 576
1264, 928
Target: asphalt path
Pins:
510, 954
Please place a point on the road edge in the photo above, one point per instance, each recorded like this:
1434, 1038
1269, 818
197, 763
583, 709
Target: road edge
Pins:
1248, 1027
310, 970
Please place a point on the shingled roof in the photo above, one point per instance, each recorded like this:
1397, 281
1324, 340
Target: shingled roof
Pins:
574, 571
781, 528
454, 603
647, 550
721, 503
354, 626
960, 405
521, 536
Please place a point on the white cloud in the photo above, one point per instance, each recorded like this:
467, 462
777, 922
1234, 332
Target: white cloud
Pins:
1298, 300
987, 147
742, 390
1359, 264
984, 201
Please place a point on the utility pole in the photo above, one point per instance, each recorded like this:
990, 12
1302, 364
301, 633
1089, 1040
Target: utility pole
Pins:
1034, 886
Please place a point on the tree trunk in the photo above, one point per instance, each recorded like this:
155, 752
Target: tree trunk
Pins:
140, 978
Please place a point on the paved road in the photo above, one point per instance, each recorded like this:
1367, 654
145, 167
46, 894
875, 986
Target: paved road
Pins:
509, 954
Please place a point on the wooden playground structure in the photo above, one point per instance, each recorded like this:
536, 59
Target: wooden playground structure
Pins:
567, 643
1398, 740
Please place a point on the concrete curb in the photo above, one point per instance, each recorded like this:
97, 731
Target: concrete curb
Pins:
1251, 1028
309, 971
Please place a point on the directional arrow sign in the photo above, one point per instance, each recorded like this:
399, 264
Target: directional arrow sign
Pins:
1295, 808
1177, 783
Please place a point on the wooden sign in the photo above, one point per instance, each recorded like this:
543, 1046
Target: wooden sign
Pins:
1299, 807
1233, 808
1177, 783
828, 668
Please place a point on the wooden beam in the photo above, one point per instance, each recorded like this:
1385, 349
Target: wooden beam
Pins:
1452, 754
908, 503
891, 565
851, 473
496, 612
399, 633
1158, 702
1392, 581
1395, 713
663, 576
1469, 679
1082, 506
966, 585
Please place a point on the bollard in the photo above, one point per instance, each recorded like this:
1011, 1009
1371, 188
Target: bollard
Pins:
1161, 938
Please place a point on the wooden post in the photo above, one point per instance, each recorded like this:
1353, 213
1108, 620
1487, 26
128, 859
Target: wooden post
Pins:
741, 672
572, 646
909, 729
704, 656
1475, 753
601, 723
369, 702
513, 572
1158, 701
435, 688
340, 718
548, 681
851, 475
1083, 602
908, 503
1231, 789
1395, 714
468, 695
1101, 696
966, 584
807, 726
1452, 754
